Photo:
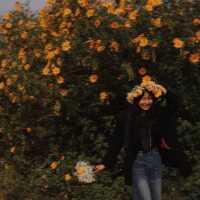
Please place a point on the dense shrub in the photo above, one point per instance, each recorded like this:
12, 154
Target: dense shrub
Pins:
64, 75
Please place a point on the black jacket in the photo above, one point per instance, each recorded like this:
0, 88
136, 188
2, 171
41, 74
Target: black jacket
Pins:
125, 135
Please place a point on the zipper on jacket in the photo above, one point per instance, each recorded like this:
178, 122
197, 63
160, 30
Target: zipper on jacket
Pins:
149, 138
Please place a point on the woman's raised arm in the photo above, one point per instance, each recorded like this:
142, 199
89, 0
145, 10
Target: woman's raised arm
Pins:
115, 143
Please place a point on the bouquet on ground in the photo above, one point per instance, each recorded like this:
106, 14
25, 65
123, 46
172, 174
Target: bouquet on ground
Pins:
84, 172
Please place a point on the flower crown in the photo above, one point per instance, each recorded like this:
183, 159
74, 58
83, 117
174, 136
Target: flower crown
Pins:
146, 84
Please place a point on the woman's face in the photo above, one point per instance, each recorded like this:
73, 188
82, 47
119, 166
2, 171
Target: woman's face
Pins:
146, 101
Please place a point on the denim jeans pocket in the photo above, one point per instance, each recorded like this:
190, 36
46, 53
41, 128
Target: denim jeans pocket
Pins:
139, 161
158, 158
156, 167
156, 173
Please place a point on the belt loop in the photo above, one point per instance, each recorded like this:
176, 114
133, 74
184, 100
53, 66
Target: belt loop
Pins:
140, 152
154, 149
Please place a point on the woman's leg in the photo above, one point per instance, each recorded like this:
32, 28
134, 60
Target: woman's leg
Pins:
155, 177
141, 190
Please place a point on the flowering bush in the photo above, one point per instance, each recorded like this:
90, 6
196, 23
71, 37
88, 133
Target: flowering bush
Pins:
64, 75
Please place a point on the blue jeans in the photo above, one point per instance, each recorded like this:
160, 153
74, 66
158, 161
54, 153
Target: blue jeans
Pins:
146, 176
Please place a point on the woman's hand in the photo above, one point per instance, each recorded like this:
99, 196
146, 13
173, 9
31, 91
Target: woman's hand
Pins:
99, 167
164, 145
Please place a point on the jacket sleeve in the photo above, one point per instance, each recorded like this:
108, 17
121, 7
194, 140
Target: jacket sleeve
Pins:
115, 142
176, 147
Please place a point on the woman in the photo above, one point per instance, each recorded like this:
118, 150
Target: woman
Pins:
147, 130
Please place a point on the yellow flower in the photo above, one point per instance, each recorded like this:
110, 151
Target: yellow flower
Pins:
146, 79
178, 43
96, 45
119, 11
24, 60
14, 64
57, 51
66, 46
67, 12
18, 7
45, 71
55, 70
197, 34
194, 58
48, 46
100, 48
138, 92
133, 15
111, 10
130, 96
43, 37
158, 93
114, 46
93, 78
7, 16
4, 63
24, 35
106, 4
143, 42
59, 62
91, 43
13, 150
97, 23
8, 25
28, 130
55, 34
54, 165
122, 3
196, 21
114, 25
83, 3
20, 22
9, 81
163, 89
103, 96
21, 54
27, 67
2, 85
12, 97
60, 80
154, 3
127, 24
37, 53
30, 25
150, 86
43, 23
154, 43
80, 170
67, 177
50, 55
90, 12
14, 77
156, 22
148, 8
50, 2
77, 12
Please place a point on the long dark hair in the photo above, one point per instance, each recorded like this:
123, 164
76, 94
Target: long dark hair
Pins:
136, 119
